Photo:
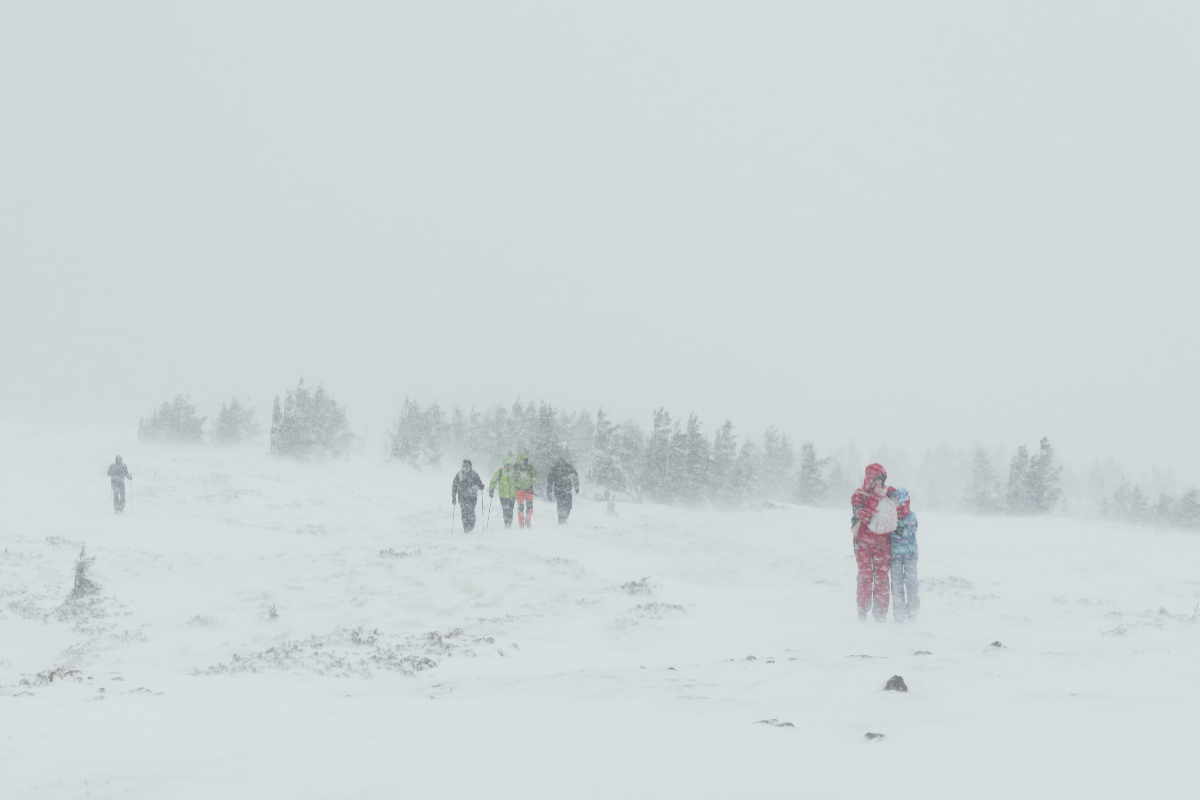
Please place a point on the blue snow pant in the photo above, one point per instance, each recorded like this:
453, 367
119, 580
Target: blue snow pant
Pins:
906, 599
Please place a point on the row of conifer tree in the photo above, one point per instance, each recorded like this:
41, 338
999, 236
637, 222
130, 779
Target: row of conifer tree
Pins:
673, 462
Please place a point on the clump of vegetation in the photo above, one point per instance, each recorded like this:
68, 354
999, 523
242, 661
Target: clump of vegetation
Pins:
236, 424
84, 585
175, 421
309, 424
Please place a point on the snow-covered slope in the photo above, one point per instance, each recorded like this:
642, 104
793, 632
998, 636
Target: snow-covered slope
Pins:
272, 629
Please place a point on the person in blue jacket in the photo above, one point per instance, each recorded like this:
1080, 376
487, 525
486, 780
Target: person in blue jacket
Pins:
906, 598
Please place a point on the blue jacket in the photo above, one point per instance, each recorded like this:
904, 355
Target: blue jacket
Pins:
904, 538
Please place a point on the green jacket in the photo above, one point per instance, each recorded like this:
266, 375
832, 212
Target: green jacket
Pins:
508, 489
524, 474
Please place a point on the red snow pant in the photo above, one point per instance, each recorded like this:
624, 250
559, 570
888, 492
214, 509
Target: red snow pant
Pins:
524, 501
873, 552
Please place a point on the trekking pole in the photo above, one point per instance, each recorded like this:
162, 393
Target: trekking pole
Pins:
452, 505
489, 518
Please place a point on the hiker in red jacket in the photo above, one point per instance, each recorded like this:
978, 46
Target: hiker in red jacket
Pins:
875, 517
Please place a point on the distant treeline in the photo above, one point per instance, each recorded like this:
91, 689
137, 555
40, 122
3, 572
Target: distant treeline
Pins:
673, 461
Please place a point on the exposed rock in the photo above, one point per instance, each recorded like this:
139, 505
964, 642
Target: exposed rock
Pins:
775, 722
873, 736
896, 684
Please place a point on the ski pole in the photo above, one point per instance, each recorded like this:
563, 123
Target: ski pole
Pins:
452, 505
489, 519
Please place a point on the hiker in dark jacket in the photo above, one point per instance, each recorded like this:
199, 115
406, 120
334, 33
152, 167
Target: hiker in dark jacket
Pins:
465, 492
117, 473
559, 483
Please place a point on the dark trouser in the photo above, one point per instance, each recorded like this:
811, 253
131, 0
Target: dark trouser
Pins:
565, 502
507, 503
118, 490
467, 504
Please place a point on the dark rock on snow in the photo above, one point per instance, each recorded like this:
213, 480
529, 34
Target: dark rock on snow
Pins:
896, 684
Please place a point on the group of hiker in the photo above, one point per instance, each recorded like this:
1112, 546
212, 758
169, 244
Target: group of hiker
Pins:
884, 530
515, 481
883, 525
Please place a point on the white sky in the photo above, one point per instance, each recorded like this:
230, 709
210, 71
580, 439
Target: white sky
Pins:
902, 222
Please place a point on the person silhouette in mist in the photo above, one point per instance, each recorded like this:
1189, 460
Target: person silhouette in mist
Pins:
117, 473
465, 491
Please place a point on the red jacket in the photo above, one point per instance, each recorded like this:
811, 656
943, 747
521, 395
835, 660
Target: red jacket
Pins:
863, 501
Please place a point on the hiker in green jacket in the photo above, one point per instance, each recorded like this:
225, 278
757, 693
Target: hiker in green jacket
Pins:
508, 490
524, 475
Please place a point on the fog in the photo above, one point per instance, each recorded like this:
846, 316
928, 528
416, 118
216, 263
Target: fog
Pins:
916, 224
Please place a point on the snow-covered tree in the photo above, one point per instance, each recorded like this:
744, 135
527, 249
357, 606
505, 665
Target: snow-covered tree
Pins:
1042, 480
1017, 500
605, 470
747, 473
175, 421
984, 497
696, 469
312, 424
778, 458
657, 474
724, 463
235, 424
811, 485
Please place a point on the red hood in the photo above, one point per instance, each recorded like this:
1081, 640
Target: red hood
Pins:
873, 471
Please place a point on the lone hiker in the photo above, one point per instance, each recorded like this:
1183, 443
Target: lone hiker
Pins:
117, 473
524, 475
508, 490
465, 491
559, 483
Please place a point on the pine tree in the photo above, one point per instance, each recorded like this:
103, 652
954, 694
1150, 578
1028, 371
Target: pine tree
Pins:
985, 484
276, 425
1018, 489
434, 430
747, 473
778, 458
724, 462
1042, 480
657, 473
812, 486
605, 470
840, 487
235, 424
696, 475
407, 433
631, 453
1187, 509
580, 435
173, 422
312, 425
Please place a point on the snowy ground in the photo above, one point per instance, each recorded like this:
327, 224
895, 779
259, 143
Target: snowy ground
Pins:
626, 656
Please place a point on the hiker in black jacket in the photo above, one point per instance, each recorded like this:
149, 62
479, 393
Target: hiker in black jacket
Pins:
465, 492
559, 483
